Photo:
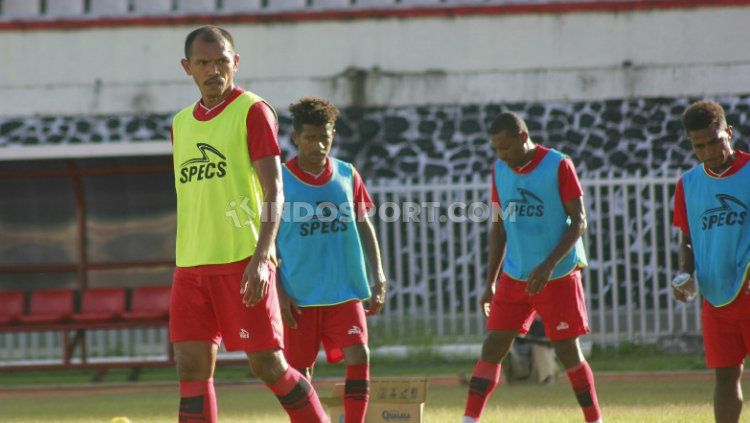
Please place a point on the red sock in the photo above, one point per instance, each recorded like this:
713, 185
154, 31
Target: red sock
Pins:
483, 382
582, 379
298, 398
198, 401
356, 393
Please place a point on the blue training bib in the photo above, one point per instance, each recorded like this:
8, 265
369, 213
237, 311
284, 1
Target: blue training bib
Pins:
718, 215
322, 262
537, 218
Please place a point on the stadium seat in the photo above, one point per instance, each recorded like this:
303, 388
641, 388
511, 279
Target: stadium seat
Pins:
118, 8
101, 305
14, 9
148, 303
65, 9
242, 6
11, 306
49, 306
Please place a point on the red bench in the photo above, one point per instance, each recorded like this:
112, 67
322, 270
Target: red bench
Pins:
11, 307
100, 309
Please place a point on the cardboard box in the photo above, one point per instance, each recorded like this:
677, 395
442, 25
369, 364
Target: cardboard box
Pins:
392, 399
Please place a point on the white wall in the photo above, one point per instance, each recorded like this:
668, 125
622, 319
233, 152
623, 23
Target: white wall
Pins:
402, 61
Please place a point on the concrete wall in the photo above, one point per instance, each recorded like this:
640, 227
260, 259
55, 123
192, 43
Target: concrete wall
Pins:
389, 62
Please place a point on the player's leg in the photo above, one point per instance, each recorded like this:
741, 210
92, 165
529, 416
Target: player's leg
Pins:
357, 385
563, 310
195, 368
726, 342
258, 331
295, 393
580, 376
195, 336
728, 395
486, 373
510, 313
344, 335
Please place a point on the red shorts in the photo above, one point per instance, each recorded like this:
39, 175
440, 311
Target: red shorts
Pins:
337, 327
209, 308
726, 332
560, 305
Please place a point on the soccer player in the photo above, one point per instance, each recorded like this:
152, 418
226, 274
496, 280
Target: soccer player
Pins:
324, 238
711, 207
538, 246
229, 197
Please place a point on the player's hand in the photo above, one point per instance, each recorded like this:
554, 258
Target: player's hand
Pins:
680, 295
377, 299
289, 308
486, 299
255, 280
538, 278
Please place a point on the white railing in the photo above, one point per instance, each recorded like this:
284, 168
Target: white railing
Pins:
93, 9
436, 269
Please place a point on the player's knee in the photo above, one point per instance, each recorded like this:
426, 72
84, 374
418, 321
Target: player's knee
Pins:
268, 366
357, 355
193, 363
496, 345
569, 352
192, 368
728, 378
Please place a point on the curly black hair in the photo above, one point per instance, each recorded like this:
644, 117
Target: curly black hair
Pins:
702, 114
313, 111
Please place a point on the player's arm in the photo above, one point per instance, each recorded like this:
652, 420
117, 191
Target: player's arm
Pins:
263, 149
256, 276
571, 197
496, 240
541, 274
372, 251
686, 262
685, 258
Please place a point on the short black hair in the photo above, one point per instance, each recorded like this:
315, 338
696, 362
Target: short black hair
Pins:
209, 34
313, 111
702, 114
507, 121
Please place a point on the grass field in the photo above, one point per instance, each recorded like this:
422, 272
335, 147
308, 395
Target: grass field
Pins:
622, 401
648, 397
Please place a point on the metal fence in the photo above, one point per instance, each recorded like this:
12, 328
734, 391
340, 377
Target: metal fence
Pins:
433, 234
437, 266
